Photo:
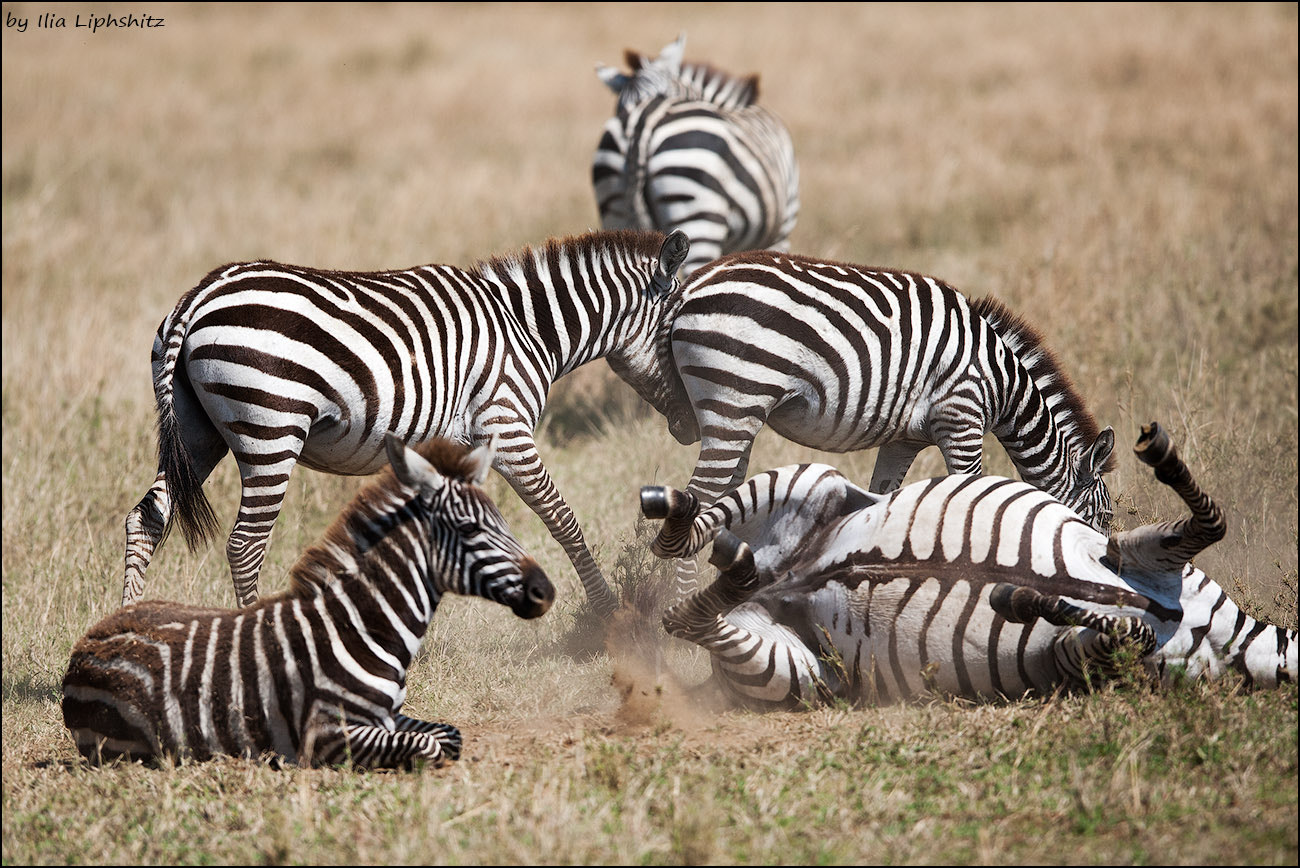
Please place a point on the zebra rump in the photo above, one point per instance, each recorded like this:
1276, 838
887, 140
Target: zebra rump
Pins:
316, 675
974, 586
689, 148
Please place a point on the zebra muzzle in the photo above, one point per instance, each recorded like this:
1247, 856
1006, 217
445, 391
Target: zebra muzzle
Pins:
538, 594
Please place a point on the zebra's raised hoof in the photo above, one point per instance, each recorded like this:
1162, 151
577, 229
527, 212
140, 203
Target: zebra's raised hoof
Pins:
654, 501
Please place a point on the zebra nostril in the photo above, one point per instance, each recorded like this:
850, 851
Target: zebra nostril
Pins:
539, 593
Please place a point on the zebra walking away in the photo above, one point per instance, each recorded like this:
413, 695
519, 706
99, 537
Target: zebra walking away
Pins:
840, 358
284, 365
317, 674
689, 148
975, 586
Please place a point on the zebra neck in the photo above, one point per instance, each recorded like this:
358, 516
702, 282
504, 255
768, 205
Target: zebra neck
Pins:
382, 592
1037, 434
575, 300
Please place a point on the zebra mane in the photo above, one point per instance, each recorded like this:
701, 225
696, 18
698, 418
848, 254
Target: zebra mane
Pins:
374, 511
1057, 388
705, 81
592, 245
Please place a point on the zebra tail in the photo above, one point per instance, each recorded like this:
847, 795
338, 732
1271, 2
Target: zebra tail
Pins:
197, 519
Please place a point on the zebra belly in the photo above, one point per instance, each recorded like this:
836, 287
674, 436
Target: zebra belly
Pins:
903, 638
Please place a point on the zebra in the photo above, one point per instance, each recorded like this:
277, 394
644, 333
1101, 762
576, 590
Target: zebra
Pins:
973, 586
689, 148
839, 357
284, 365
316, 674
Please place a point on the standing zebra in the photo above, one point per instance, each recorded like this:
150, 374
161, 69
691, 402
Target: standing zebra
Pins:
283, 365
976, 586
840, 358
688, 148
316, 674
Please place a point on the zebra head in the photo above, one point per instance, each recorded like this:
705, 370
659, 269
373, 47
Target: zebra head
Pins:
646, 364
1089, 497
649, 78
470, 549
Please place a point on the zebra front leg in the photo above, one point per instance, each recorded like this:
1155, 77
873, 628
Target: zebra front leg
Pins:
517, 460
365, 745
678, 510
1094, 644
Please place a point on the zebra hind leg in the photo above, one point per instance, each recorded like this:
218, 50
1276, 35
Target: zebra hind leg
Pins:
738, 578
146, 526
1094, 645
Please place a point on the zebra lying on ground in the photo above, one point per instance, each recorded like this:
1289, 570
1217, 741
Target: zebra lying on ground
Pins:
841, 358
317, 674
975, 586
283, 365
688, 148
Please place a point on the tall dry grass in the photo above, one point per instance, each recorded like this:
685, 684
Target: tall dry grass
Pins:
1125, 176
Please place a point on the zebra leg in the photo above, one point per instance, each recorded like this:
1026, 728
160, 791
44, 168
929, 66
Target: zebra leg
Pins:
329, 741
699, 617
678, 510
1094, 644
517, 460
261, 498
147, 524
893, 460
145, 527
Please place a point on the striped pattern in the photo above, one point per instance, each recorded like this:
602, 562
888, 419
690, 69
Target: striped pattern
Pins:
975, 586
283, 365
316, 675
688, 148
841, 358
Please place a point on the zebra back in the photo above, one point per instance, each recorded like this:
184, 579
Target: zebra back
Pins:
317, 673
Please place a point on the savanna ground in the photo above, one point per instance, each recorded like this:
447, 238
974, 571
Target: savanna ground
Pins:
1123, 176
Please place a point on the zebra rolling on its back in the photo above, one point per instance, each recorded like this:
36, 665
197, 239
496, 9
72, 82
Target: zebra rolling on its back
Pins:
976, 586
316, 674
840, 358
688, 148
283, 365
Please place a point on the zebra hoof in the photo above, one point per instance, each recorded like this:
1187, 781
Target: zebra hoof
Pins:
654, 501
1154, 446
728, 549
1015, 603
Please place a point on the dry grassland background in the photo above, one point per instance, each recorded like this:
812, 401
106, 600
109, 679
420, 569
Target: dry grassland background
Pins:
1124, 176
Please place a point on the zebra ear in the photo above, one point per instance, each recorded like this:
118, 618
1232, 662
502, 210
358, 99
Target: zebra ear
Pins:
671, 56
613, 79
1094, 459
479, 461
411, 469
671, 256
856, 498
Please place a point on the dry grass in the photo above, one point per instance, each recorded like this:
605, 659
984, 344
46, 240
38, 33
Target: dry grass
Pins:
1124, 176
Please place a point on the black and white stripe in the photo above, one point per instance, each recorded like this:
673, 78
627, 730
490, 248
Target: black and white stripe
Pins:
840, 358
284, 365
316, 675
975, 586
689, 148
